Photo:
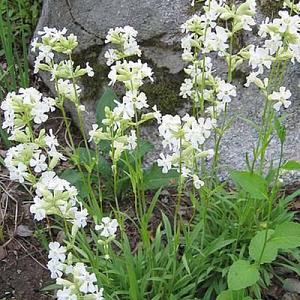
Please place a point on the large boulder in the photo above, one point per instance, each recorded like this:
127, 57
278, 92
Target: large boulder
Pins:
158, 23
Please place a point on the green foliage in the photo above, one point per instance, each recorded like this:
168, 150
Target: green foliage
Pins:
286, 236
242, 274
106, 100
154, 178
257, 250
233, 295
291, 165
253, 184
76, 179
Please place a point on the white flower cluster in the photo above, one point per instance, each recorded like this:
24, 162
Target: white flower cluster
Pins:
124, 38
75, 280
184, 138
129, 112
281, 44
34, 158
23, 108
55, 196
64, 73
203, 35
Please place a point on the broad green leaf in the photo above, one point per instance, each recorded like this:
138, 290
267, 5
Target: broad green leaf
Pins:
154, 178
104, 167
286, 236
242, 275
251, 183
107, 99
144, 148
256, 247
233, 295
291, 165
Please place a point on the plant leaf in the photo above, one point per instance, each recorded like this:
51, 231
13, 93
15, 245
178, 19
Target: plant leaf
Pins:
251, 183
103, 165
154, 178
107, 99
291, 165
256, 247
242, 275
144, 148
233, 295
286, 236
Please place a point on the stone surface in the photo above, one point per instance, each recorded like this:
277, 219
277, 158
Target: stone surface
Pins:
158, 23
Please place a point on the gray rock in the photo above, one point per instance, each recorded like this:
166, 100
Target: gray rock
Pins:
23, 231
290, 296
292, 285
158, 23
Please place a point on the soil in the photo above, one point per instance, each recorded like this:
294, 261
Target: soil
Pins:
22, 278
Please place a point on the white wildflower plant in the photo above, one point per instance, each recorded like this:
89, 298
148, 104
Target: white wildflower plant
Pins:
95, 259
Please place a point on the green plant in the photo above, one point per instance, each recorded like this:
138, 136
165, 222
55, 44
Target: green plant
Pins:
17, 21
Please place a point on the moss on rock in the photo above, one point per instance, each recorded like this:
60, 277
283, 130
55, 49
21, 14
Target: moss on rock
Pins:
270, 7
165, 95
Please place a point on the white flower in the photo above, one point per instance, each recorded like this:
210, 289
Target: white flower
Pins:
93, 132
139, 99
247, 22
124, 110
57, 252
259, 57
19, 173
56, 268
38, 209
225, 91
281, 97
157, 114
125, 38
194, 24
216, 41
108, 227
131, 139
273, 44
98, 295
66, 294
186, 88
84, 278
165, 162
51, 140
111, 56
66, 89
38, 162
197, 182
89, 70
80, 217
